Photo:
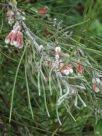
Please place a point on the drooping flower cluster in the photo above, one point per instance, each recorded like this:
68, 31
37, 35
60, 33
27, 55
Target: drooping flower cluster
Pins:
15, 37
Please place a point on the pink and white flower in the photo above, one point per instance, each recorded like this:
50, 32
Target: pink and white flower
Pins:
66, 69
15, 37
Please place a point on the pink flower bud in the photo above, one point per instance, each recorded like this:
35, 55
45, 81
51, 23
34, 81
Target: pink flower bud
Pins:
13, 38
19, 40
80, 69
57, 52
42, 11
8, 38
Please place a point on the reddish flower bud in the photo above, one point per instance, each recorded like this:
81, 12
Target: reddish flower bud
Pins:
8, 38
80, 69
13, 37
19, 40
42, 11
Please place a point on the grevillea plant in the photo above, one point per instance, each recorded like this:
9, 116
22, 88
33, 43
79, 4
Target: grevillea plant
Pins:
55, 69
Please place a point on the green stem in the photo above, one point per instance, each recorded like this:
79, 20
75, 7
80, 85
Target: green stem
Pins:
28, 93
15, 79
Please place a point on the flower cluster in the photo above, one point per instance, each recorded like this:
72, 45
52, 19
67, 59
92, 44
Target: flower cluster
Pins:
15, 37
67, 70
63, 68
